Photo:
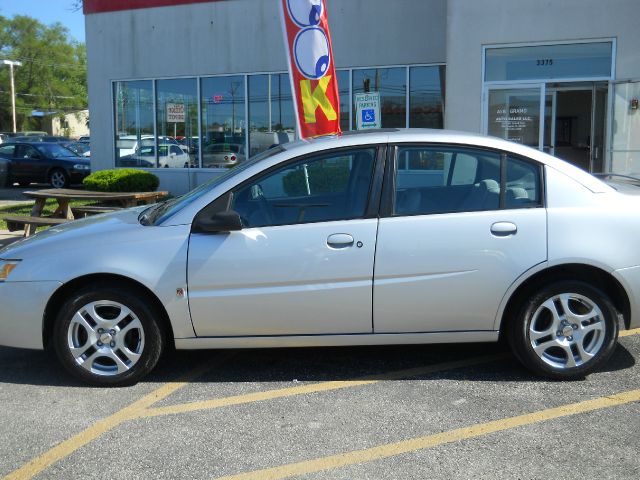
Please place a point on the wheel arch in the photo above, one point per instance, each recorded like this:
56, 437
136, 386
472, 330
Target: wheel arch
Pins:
60, 295
595, 276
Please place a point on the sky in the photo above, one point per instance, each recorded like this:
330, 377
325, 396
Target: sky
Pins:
48, 12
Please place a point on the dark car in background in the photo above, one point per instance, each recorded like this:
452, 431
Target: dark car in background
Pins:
43, 162
39, 138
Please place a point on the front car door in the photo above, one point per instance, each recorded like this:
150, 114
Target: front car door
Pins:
28, 164
460, 226
303, 262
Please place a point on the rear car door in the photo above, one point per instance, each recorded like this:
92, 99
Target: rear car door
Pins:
460, 226
303, 262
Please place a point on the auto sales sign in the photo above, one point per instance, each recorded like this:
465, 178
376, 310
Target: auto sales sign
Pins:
311, 67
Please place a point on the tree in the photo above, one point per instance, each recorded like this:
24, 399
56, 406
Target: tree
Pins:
52, 77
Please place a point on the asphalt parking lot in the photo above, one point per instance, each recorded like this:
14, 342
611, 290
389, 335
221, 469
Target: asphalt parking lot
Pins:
401, 412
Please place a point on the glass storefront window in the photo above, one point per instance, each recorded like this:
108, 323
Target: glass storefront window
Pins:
223, 121
345, 104
271, 115
177, 124
134, 121
541, 62
225, 132
625, 145
426, 97
391, 83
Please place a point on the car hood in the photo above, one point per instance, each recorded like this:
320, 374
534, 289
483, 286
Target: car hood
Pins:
98, 229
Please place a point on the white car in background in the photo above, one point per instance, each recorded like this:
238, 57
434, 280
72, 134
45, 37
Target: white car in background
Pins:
383, 237
169, 156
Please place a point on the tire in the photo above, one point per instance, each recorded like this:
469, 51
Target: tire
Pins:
565, 331
58, 178
108, 336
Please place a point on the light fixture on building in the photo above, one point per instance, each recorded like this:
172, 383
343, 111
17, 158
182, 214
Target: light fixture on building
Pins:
634, 104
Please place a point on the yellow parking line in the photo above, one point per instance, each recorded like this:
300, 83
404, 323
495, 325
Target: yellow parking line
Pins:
317, 387
429, 441
142, 408
69, 446
626, 333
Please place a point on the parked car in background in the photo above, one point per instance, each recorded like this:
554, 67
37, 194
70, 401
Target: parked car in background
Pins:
6, 136
44, 162
169, 155
84, 139
79, 148
40, 138
473, 239
31, 133
131, 144
222, 155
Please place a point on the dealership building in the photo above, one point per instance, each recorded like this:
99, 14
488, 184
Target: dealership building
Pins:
563, 77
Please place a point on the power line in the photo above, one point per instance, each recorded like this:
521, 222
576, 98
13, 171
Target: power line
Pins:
42, 95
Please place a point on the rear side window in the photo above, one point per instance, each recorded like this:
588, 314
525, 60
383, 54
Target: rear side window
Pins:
441, 179
523, 185
452, 180
6, 151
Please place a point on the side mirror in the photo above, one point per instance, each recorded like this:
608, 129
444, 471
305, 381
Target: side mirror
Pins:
228, 221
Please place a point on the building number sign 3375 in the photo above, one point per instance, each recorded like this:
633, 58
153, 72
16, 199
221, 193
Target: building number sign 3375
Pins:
543, 62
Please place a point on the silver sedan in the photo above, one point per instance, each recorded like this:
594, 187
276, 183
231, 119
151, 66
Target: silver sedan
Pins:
390, 237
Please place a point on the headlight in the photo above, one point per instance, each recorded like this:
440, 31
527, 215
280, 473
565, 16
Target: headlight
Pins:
79, 166
6, 266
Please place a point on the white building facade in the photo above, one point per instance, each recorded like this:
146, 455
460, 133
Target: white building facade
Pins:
563, 77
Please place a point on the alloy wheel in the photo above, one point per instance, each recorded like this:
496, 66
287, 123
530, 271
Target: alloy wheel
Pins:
105, 338
567, 330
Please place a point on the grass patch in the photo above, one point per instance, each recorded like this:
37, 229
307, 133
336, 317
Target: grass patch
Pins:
49, 208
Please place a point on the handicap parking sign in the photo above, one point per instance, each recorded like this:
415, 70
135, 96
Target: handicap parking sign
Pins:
368, 110
368, 116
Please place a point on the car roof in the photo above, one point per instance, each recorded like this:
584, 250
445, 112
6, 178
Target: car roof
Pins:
422, 135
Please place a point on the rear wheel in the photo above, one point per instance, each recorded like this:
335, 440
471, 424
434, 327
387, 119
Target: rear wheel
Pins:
108, 336
565, 331
58, 178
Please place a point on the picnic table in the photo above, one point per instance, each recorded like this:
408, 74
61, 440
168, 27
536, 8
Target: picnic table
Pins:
64, 212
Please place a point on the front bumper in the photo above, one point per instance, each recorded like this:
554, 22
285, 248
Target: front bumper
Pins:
76, 176
22, 307
630, 280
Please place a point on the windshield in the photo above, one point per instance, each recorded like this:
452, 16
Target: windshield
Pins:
53, 150
158, 213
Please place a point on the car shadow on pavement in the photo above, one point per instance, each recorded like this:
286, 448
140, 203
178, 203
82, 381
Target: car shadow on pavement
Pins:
316, 364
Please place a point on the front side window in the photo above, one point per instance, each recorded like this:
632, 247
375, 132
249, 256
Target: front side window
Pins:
434, 179
321, 188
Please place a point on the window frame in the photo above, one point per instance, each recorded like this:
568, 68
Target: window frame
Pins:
372, 205
387, 206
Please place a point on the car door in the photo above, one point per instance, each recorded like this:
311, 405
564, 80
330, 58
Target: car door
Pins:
460, 226
28, 164
303, 262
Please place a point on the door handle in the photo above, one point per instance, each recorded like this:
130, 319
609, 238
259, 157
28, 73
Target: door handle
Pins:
340, 240
504, 229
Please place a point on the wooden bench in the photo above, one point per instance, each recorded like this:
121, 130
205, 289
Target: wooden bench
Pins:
23, 222
83, 211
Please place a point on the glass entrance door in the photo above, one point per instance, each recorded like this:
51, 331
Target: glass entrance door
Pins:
574, 128
515, 114
567, 120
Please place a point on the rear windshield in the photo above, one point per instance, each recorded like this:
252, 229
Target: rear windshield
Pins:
53, 150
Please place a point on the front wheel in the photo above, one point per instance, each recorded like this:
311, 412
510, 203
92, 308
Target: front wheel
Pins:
108, 336
565, 331
58, 178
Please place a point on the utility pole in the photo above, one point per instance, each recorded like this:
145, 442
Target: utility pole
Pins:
11, 64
